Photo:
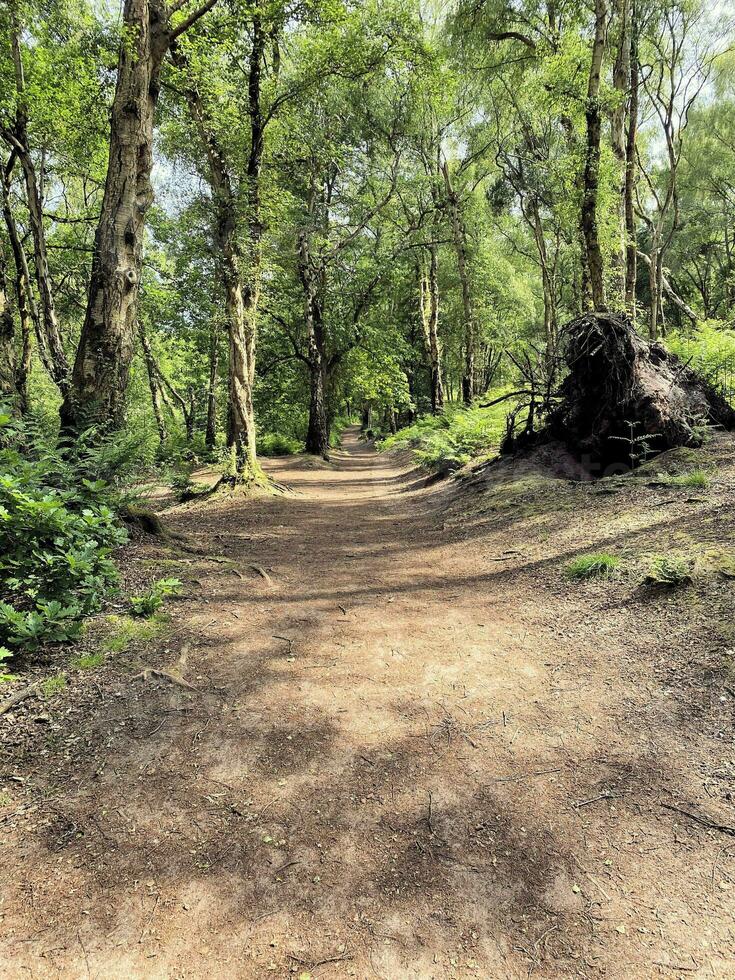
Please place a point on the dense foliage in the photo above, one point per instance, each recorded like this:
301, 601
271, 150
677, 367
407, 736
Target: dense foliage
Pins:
57, 533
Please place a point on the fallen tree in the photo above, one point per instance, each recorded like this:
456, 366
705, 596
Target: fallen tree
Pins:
624, 398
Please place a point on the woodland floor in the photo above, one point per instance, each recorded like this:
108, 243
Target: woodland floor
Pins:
416, 750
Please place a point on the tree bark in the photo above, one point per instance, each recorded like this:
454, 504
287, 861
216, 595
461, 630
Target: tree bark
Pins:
666, 287
210, 436
631, 245
653, 267
240, 274
27, 310
621, 85
429, 310
106, 345
312, 280
317, 436
459, 235
8, 351
591, 180
551, 328
16, 136
154, 384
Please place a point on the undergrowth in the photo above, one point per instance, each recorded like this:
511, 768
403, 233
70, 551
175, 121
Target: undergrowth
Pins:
600, 565
694, 478
444, 443
669, 570
277, 444
58, 528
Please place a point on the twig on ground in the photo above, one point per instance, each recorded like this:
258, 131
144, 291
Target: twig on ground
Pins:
262, 572
21, 695
606, 795
312, 965
525, 775
165, 675
704, 821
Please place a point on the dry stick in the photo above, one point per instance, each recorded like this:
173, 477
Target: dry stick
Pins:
524, 775
607, 795
591, 877
262, 572
165, 675
704, 821
26, 692
329, 959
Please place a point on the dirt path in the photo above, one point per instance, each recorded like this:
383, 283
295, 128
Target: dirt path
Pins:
414, 752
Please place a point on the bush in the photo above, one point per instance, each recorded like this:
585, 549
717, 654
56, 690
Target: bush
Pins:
277, 444
152, 600
593, 566
669, 570
57, 532
710, 351
444, 443
5, 654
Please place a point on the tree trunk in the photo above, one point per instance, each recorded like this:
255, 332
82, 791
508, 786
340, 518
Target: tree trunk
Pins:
241, 417
672, 294
16, 136
210, 437
30, 320
154, 384
621, 85
429, 310
240, 274
653, 267
459, 236
317, 436
547, 280
8, 351
631, 246
313, 282
591, 180
106, 345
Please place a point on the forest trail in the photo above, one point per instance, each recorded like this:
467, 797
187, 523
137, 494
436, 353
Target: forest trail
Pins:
412, 752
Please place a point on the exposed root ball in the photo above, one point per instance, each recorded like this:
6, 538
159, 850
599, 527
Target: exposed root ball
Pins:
622, 390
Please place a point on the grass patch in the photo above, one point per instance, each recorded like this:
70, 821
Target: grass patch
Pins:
124, 631
593, 566
694, 478
53, 685
88, 661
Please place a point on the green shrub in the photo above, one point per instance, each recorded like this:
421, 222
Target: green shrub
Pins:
669, 570
593, 566
277, 444
152, 600
5, 654
444, 443
710, 351
57, 532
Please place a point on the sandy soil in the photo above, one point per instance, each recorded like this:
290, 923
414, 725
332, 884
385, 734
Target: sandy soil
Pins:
415, 749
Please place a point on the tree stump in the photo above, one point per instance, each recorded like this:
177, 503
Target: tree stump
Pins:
625, 397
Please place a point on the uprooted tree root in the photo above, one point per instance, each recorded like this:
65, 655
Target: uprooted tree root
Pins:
624, 397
